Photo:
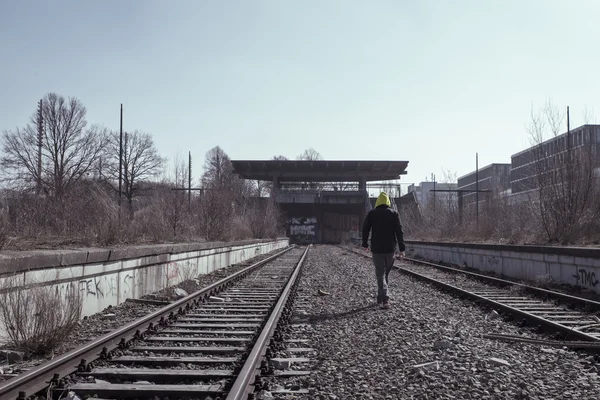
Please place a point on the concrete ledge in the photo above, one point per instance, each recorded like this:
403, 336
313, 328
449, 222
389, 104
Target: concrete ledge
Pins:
17, 261
106, 277
97, 255
592, 252
76, 257
578, 267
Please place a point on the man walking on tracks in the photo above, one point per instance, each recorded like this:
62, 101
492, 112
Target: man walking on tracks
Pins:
387, 231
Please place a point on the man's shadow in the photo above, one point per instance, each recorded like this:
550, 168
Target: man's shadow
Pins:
329, 316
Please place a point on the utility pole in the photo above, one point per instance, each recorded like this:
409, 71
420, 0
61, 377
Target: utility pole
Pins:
477, 188
125, 164
434, 192
570, 171
190, 181
40, 140
121, 156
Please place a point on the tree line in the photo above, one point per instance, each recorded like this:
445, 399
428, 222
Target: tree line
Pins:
60, 179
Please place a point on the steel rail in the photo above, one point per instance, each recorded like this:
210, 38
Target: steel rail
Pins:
241, 387
506, 308
557, 295
40, 377
569, 331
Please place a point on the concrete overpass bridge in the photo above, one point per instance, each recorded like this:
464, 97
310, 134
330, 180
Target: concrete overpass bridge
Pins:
323, 201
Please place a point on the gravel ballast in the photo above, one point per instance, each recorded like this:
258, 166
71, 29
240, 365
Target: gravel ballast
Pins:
429, 345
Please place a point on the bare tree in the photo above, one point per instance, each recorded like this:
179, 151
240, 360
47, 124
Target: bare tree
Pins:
175, 201
216, 214
221, 188
264, 219
589, 116
564, 174
141, 161
218, 175
310, 154
218, 170
69, 149
261, 187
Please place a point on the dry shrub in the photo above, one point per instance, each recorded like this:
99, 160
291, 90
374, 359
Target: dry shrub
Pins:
500, 221
148, 226
188, 272
215, 214
38, 319
264, 219
109, 232
91, 205
83, 214
544, 280
4, 232
240, 229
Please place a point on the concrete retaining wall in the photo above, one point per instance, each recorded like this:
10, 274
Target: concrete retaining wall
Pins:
574, 266
110, 276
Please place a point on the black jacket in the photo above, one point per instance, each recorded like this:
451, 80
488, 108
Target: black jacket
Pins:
387, 230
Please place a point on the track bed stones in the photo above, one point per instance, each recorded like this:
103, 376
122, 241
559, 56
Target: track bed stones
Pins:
429, 345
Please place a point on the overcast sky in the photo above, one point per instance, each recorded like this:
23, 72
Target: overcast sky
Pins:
431, 82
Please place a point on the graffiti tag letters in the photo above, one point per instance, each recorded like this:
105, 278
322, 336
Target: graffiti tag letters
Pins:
302, 230
585, 278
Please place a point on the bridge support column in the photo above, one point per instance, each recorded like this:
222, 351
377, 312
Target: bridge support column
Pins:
362, 187
275, 187
362, 184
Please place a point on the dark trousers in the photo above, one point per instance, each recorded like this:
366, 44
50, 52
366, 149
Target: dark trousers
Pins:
383, 265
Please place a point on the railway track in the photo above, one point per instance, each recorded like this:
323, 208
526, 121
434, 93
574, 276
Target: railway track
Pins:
209, 345
572, 318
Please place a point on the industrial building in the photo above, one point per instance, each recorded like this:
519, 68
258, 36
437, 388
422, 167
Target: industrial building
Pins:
425, 195
493, 178
550, 155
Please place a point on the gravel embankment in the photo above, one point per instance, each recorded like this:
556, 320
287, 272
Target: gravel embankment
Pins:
112, 318
363, 352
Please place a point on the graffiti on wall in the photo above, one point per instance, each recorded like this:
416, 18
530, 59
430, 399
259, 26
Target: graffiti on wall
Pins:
134, 280
185, 270
489, 261
586, 278
99, 286
303, 229
172, 270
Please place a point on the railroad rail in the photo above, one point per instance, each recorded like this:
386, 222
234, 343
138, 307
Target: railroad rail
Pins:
574, 318
210, 343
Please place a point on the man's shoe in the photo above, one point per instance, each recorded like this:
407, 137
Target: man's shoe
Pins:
385, 305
